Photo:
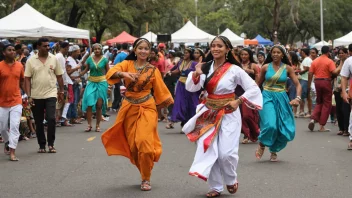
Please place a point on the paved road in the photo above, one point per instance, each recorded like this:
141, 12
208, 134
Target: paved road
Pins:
313, 165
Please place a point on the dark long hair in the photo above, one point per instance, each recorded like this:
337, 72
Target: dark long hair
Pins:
209, 59
132, 55
191, 53
200, 52
285, 60
250, 53
294, 58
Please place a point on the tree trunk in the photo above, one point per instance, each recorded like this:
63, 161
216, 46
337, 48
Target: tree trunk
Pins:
130, 26
99, 33
13, 5
276, 20
75, 16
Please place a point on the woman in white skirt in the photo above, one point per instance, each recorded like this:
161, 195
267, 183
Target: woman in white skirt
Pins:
216, 127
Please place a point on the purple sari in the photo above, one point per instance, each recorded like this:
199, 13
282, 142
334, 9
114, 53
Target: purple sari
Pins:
185, 101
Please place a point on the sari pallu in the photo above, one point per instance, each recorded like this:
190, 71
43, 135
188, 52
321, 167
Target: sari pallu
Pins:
216, 128
134, 134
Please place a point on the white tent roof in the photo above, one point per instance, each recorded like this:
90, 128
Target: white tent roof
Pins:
345, 40
29, 23
321, 44
189, 33
235, 40
150, 36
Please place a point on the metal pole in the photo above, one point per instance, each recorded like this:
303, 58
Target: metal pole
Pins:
196, 2
321, 21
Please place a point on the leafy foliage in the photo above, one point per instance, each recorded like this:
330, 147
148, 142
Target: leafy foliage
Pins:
292, 19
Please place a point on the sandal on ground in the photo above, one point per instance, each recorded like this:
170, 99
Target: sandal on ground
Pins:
325, 130
232, 188
66, 123
88, 129
7, 148
311, 125
41, 151
340, 133
213, 193
52, 149
33, 135
14, 159
259, 152
169, 126
307, 116
97, 129
346, 133
58, 124
245, 141
349, 146
145, 186
77, 121
273, 157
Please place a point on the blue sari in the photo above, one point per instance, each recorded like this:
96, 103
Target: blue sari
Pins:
277, 122
97, 87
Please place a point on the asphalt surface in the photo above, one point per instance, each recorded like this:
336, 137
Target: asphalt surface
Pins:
315, 164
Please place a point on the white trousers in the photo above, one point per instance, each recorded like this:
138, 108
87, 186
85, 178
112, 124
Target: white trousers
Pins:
219, 163
65, 109
14, 113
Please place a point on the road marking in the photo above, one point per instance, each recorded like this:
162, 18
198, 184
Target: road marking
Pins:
91, 139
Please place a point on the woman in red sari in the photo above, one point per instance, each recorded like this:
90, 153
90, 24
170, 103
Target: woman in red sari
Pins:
250, 117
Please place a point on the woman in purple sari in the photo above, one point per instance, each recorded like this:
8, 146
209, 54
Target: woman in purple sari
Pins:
185, 101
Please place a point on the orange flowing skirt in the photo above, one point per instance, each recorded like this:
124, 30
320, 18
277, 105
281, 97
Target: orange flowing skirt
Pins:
134, 135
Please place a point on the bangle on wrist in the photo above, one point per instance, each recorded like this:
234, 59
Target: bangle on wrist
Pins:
119, 75
240, 100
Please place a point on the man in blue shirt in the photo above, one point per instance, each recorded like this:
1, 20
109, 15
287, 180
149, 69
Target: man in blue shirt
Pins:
122, 55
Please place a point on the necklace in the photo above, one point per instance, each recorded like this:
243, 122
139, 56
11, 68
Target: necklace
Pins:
140, 68
215, 68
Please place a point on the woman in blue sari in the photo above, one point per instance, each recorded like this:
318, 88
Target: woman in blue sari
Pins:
277, 122
95, 93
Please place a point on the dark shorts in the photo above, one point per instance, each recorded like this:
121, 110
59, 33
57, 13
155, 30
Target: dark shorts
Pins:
304, 85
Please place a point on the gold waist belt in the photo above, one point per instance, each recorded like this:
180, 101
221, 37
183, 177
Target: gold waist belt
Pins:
182, 79
274, 89
139, 100
96, 78
216, 102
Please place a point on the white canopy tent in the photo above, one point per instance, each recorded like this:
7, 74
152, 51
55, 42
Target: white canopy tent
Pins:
150, 36
321, 44
189, 33
345, 40
26, 22
235, 40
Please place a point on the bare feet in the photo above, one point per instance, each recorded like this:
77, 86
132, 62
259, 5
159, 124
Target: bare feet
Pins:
323, 129
349, 146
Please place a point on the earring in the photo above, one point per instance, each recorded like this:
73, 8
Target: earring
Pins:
135, 55
226, 55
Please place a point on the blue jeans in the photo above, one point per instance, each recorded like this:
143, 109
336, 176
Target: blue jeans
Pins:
291, 89
304, 85
72, 110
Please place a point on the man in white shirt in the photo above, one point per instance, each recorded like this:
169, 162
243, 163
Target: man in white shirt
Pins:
346, 73
73, 70
61, 109
306, 63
